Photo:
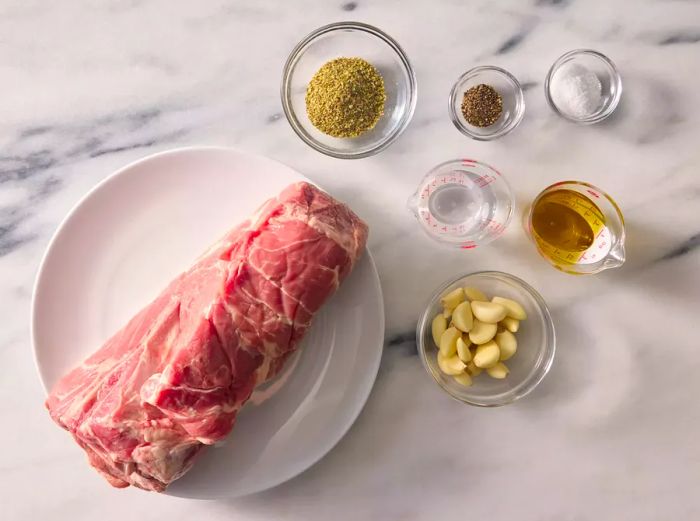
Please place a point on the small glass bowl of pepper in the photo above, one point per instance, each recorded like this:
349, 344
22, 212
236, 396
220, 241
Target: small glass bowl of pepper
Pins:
486, 103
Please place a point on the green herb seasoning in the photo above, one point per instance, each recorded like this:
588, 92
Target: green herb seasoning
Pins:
345, 97
482, 105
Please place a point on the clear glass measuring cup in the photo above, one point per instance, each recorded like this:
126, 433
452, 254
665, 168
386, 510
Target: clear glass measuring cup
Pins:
577, 228
463, 203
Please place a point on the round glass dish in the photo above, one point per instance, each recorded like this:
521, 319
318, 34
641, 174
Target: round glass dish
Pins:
350, 39
607, 73
536, 342
505, 84
463, 203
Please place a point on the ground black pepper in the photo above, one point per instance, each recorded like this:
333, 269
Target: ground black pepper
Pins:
482, 105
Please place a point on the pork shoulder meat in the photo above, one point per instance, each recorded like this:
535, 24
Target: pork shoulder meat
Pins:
174, 378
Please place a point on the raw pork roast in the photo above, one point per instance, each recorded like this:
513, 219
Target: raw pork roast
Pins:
174, 378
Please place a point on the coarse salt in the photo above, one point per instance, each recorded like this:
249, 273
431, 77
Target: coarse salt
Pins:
576, 90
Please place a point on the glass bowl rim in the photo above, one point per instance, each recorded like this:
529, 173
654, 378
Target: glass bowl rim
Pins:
506, 129
550, 343
291, 63
616, 79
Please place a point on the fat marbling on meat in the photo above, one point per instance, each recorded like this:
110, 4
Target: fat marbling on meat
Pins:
174, 378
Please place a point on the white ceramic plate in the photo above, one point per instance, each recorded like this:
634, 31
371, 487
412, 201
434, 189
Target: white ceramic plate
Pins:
148, 222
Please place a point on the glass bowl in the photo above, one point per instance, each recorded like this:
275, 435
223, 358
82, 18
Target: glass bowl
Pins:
463, 203
509, 89
607, 73
536, 342
350, 39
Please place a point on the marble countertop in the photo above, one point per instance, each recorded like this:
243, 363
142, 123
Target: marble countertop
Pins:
612, 433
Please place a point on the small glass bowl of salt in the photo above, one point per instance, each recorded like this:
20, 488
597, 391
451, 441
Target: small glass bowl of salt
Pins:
583, 86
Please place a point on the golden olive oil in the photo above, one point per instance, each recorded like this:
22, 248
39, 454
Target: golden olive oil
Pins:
565, 224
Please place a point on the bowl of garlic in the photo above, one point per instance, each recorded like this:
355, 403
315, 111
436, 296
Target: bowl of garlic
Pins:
486, 338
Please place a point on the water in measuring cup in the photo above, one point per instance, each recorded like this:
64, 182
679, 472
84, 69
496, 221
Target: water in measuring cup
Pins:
462, 203
464, 207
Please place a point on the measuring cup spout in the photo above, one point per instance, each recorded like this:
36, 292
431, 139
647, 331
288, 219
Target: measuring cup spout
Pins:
615, 258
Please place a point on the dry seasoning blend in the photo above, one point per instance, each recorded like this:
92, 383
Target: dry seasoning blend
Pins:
482, 105
345, 97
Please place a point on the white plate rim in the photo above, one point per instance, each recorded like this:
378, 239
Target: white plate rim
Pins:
374, 370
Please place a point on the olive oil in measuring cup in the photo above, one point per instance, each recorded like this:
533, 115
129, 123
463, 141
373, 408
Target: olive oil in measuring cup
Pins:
566, 222
578, 228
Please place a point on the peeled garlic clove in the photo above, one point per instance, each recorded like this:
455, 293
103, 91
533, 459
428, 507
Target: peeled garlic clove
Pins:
507, 343
463, 350
489, 312
453, 299
450, 365
438, 328
473, 370
464, 379
514, 309
498, 371
482, 332
462, 317
511, 324
487, 355
448, 341
447, 313
475, 294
